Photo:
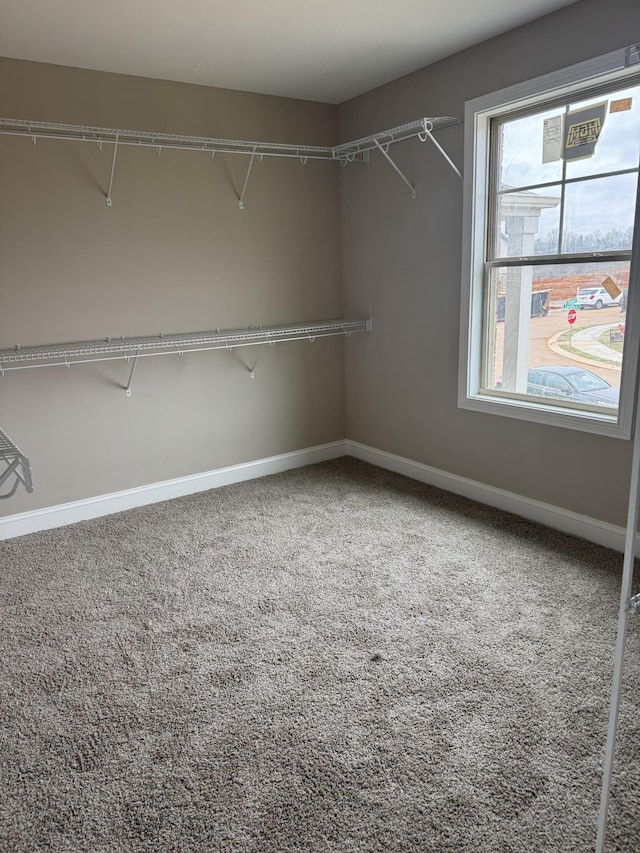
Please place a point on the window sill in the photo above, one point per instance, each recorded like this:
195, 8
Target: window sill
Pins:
612, 425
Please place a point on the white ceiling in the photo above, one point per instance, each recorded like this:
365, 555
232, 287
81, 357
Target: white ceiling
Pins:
326, 50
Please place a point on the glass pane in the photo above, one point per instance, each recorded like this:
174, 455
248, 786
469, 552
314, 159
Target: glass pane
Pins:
528, 223
599, 214
555, 333
520, 152
618, 146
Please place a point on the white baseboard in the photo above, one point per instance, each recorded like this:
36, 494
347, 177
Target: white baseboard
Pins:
69, 513
600, 532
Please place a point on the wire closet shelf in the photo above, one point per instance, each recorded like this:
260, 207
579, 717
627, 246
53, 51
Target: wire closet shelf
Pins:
13, 463
345, 152
124, 348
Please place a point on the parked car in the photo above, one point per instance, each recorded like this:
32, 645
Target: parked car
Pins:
596, 297
563, 382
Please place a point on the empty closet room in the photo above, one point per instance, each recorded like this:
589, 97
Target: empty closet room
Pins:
275, 574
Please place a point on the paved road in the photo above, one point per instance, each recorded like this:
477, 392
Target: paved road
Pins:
543, 329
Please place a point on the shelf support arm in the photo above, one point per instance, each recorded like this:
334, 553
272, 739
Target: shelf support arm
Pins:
252, 370
127, 390
428, 135
113, 168
383, 151
246, 180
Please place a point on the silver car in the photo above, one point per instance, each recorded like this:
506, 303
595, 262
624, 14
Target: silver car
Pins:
562, 382
596, 297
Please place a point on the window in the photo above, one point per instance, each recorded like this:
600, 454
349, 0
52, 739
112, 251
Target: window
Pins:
549, 310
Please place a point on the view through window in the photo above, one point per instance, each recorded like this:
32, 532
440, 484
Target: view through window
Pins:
559, 231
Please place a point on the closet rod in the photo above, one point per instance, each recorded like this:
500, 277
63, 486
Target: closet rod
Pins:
16, 466
345, 152
109, 349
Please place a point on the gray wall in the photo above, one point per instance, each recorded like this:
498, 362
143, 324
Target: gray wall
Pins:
401, 265
174, 253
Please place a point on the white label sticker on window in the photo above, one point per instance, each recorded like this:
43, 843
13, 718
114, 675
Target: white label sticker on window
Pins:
552, 139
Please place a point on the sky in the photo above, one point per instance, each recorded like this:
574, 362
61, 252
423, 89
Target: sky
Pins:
600, 204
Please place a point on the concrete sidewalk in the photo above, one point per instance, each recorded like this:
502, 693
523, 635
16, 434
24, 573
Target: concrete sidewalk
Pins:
592, 351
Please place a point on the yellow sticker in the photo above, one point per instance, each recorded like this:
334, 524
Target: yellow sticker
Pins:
620, 105
583, 133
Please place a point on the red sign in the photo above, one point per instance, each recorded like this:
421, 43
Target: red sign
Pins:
571, 316
621, 327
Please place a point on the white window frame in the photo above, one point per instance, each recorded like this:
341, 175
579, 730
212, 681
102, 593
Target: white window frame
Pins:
614, 67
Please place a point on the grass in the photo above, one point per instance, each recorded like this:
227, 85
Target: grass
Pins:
605, 339
564, 343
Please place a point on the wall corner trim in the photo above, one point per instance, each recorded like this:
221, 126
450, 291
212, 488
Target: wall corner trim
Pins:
82, 510
583, 526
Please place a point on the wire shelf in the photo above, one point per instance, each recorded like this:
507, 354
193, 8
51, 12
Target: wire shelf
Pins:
86, 133
403, 132
106, 349
7, 448
345, 153
16, 466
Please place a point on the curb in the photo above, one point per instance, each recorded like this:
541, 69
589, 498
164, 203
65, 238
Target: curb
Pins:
555, 347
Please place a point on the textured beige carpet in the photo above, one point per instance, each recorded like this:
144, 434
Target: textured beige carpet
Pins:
331, 659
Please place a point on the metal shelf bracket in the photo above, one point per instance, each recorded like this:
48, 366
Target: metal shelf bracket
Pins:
127, 389
429, 135
252, 369
113, 168
246, 180
384, 151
